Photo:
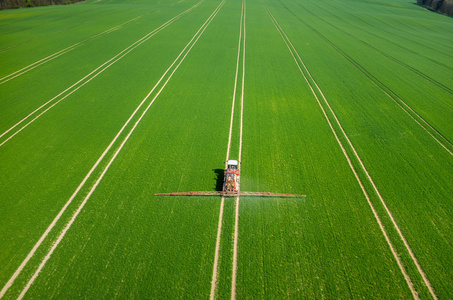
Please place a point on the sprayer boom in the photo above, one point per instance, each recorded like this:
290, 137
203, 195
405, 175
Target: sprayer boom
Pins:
230, 186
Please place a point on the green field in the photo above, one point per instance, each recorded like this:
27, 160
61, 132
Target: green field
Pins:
107, 102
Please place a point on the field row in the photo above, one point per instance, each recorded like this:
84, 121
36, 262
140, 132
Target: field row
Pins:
349, 104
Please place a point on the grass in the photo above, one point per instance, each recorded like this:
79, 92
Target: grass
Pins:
128, 243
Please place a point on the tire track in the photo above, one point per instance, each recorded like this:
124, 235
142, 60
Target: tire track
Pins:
90, 76
416, 71
388, 33
302, 66
175, 65
61, 52
400, 29
437, 136
236, 215
217, 250
219, 229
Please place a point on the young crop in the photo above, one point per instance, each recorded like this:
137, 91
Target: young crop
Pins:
371, 117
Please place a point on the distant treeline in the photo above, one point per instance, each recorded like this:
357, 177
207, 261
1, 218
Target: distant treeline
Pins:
442, 6
7, 4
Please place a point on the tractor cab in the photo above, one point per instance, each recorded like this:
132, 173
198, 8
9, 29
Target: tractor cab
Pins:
232, 164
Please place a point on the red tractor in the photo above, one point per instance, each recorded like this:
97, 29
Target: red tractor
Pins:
231, 179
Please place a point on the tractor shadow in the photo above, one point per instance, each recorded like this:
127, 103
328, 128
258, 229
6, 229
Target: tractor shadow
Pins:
218, 179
